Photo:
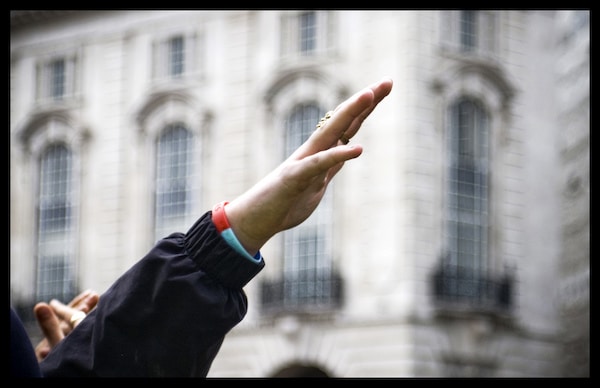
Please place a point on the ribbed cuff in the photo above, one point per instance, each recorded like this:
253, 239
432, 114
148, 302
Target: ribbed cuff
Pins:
215, 256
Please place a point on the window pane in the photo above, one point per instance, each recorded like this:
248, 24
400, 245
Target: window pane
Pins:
468, 30
308, 32
300, 125
57, 79
307, 257
55, 258
55, 279
176, 56
467, 187
173, 180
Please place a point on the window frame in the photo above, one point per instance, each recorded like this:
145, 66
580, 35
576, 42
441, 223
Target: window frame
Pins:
485, 34
163, 55
163, 226
293, 37
305, 284
456, 190
52, 244
46, 78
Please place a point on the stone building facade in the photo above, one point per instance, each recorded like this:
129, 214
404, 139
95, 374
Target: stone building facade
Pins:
456, 245
573, 97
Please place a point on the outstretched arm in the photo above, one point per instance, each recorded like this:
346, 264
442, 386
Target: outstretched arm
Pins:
169, 313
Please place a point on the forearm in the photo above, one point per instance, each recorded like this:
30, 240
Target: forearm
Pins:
180, 299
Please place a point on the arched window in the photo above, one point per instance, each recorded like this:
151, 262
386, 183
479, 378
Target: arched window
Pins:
299, 126
173, 181
307, 248
467, 212
55, 223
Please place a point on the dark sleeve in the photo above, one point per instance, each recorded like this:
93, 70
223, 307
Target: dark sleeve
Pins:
23, 362
166, 316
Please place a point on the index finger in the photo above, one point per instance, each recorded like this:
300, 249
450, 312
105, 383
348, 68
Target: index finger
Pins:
321, 162
346, 118
380, 91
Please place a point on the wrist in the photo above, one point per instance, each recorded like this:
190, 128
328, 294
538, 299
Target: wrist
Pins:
247, 218
221, 222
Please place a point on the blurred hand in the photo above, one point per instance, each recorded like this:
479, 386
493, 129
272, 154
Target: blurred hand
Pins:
55, 319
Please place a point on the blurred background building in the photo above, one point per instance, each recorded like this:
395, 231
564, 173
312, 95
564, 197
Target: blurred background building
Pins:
456, 245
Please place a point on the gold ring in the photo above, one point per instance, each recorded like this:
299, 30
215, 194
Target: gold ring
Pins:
344, 139
77, 317
324, 119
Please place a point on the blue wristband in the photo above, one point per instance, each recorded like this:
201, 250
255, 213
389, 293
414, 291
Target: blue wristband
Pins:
232, 240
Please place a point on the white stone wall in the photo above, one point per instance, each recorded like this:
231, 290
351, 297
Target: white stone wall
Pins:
389, 202
573, 95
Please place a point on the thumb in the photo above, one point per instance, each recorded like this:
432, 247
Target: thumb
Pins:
49, 323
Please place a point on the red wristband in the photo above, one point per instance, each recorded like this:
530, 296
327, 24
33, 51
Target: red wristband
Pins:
219, 218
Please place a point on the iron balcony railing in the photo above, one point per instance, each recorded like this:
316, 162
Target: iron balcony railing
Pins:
296, 293
455, 285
